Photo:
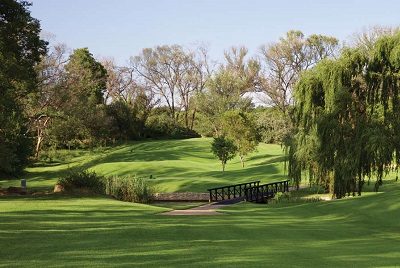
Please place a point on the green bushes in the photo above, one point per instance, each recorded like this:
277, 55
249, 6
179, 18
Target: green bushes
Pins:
129, 189
287, 198
82, 179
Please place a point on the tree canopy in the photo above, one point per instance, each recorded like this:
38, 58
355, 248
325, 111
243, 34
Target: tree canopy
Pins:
20, 50
346, 118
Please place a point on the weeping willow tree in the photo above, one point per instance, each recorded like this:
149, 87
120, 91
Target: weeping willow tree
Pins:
347, 119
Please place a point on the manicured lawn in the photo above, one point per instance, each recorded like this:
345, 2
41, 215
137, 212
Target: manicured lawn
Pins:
56, 231
176, 165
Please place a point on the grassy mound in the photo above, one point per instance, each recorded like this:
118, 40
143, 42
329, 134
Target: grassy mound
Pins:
174, 165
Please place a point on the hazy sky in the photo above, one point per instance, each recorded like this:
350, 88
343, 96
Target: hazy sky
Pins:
122, 28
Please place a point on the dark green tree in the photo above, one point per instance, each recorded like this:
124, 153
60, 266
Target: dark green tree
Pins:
81, 117
87, 77
224, 149
20, 50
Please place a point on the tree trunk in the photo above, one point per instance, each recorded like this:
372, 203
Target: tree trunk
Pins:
38, 144
242, 160
192, 121
40, 135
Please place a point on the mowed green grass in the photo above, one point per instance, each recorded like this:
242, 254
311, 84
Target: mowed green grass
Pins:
60, 231
56, 231
176, 165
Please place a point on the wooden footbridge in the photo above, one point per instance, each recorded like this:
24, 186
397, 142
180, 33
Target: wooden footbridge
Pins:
249, 191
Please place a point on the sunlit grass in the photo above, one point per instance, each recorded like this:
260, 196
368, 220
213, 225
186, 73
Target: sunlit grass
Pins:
175, 165
58, 230
54, 231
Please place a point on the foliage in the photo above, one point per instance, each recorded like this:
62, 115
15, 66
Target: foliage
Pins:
226, 89
80, 118
124, 121
224, 149
241, 128
286, 59
287, 198
178, 165
160, 125
174, 75
20, 49
273, 125
82, 179
129, 189
346, 116
87, 77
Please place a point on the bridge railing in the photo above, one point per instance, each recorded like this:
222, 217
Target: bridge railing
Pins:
261, 193
230, 191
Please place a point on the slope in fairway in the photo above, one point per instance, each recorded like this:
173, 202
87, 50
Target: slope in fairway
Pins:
176, 165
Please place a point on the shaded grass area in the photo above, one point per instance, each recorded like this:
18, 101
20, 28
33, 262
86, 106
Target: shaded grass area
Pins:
55, 231
176, 165
93, 231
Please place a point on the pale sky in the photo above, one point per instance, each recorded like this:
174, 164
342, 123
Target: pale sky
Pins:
122, 28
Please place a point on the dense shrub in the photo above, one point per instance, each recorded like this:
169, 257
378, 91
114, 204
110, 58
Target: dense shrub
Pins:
129, 189
287, 198
82, 179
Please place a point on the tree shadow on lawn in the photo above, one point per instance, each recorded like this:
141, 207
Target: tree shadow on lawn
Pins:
213, 179
157, 151
256, 157
333, 233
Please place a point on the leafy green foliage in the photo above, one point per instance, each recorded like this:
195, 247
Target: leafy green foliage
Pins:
241, 128
286, 59
346, 116
82, 179
273, 125
20, 49
82, 119
224, 149
225, 90
159, 125
287, 198
87, 76
129, 189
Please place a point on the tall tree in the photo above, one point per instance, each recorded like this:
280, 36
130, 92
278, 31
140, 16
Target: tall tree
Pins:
87, 77
226, 89
174, 75
346, 117
82, 117
285, 60
52, 93
20, 50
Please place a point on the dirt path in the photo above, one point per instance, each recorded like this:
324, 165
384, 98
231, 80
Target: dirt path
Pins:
207, 209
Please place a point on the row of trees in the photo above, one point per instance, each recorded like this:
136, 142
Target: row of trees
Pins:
58, 98
336, 109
